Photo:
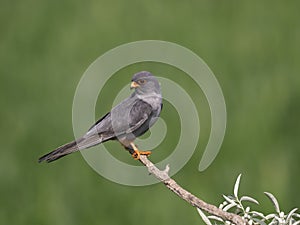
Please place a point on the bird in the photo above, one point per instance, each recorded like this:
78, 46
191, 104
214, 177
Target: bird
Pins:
128, 120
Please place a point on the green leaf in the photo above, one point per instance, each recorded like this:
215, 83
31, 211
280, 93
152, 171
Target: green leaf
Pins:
229, 200
229, 206
216, 218
270, 216
274, 201
258, 214
249, 199
297, 223
289, 216
204, 217
236, 186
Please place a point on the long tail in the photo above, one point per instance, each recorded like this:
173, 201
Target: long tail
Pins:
74, 146
60, 152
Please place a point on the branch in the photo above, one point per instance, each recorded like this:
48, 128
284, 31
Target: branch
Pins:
171, 184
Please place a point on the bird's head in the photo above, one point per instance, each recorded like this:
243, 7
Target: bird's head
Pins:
145, 83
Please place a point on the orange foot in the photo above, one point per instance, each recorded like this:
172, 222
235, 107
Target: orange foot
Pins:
136, 154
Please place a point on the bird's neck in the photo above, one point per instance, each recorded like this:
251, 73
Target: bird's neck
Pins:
153, 99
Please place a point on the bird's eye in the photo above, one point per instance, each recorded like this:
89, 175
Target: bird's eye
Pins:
142, 81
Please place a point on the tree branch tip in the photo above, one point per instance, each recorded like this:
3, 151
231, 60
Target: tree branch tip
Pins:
167, 169
163, 176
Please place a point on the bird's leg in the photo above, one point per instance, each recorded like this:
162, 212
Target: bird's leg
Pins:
136, 153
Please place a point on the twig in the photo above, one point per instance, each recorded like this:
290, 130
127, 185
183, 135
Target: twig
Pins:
171, 184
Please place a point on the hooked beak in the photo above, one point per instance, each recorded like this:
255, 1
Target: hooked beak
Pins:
134, 85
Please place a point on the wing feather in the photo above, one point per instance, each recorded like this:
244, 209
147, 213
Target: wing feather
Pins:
139, 115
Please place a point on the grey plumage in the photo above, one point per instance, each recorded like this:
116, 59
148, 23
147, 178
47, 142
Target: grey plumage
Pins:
126, 121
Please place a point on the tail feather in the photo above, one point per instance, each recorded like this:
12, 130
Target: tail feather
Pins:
73, 146
60, 152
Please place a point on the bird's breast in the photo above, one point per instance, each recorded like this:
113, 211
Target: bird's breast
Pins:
154, 101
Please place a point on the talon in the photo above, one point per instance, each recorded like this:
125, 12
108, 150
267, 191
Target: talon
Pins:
136, 154
145, 153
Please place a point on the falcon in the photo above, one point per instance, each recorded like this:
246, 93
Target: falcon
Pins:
124, 123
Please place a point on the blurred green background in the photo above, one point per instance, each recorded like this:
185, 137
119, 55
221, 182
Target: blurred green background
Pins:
45, 46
